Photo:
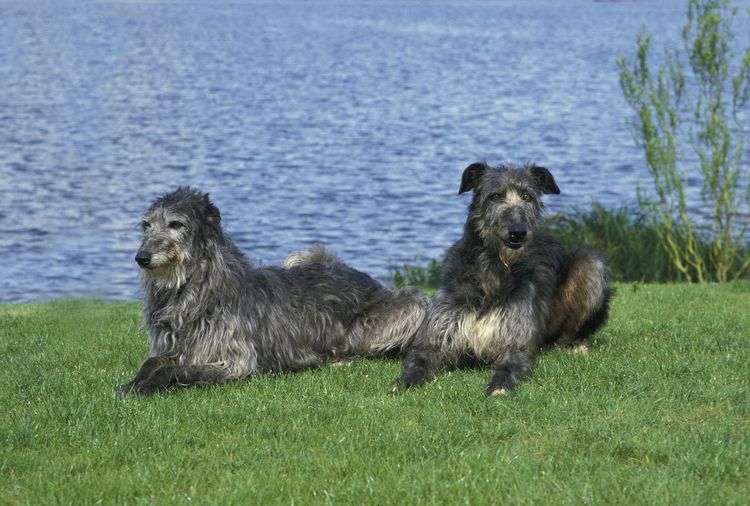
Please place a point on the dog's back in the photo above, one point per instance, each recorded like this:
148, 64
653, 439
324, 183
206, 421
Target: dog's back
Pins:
332, 311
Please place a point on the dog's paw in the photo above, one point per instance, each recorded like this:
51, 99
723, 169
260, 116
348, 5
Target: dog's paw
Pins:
341, 363
579, 349
575, 347
496, 391
136, 388
125, 390
500, 385
396, 386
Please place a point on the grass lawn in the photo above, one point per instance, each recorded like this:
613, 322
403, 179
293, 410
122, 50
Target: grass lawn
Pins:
656, 413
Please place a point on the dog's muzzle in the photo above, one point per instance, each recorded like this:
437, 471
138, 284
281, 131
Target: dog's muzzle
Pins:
516, 236
143, 258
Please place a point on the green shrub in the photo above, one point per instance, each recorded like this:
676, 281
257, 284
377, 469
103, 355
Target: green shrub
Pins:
688, 114
624, 236
427, 278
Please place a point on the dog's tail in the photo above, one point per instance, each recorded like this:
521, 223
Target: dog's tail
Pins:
315, 254
390, 327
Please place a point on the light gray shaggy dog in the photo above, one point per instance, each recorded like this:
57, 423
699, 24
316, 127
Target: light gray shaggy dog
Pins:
212, 316
508, 287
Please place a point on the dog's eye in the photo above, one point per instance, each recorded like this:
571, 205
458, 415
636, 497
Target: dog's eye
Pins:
176, 225
497, 197
527, 196
145, 225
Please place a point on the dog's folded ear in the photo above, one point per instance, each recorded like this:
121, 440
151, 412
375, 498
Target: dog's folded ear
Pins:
471, 176
544, 179
212, 212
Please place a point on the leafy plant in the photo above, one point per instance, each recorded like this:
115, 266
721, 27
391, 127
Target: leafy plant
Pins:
695, 100
626, 238
427, 278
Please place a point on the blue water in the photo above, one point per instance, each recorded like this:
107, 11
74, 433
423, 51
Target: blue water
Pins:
347, 123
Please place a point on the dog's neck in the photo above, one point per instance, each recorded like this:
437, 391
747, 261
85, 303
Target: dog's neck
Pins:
483, 268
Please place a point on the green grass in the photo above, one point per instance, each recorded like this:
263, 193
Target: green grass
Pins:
656, 413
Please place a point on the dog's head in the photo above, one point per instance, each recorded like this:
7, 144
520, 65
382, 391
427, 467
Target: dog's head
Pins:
176, 229
507, 207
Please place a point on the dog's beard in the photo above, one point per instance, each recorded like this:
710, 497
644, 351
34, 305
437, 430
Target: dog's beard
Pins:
168, 277
509, 256
171, 275
498, 248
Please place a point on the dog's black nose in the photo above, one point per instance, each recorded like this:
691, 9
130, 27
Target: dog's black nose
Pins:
143, 258
517, 233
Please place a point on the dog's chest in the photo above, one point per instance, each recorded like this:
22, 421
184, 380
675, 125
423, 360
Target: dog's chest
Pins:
480, 334
490, 333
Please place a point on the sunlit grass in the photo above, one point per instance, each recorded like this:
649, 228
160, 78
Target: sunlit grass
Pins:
657, 412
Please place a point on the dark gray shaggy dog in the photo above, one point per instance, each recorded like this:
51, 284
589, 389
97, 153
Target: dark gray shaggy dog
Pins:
212, 316
508, 288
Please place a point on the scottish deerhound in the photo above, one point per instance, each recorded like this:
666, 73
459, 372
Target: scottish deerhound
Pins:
212, 316
508, 288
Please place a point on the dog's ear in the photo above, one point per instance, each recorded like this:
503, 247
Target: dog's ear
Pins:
544, 180
471, 176
212, 212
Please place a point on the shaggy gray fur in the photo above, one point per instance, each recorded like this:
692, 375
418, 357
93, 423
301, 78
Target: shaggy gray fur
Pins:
212, 316
508, 287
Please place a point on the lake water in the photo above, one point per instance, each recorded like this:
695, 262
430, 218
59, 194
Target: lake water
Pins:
346, 123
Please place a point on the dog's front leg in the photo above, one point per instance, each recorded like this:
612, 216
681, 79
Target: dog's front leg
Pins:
148, 367
420, 365
508, 372
182, 375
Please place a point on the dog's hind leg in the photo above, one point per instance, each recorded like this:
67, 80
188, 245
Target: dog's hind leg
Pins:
582, 301
508, 372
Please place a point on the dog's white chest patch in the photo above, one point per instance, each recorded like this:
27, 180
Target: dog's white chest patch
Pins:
483, 335
492, 334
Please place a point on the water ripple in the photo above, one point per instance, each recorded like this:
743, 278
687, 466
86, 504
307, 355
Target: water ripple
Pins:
349, 123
